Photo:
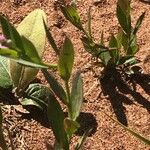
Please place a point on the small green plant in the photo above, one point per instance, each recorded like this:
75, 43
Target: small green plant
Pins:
121, 50
64, 127
23, 52
26, 45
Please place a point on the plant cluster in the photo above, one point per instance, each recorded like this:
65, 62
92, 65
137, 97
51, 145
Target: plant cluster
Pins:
122, 47
21, 59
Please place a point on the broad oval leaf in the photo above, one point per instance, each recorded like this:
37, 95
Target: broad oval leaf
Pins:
32, 28
76, 96
56, 118
5, 80
66, 59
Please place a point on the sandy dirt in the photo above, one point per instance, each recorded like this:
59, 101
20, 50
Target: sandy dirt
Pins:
116, 98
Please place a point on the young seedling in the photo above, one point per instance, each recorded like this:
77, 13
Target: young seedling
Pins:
64, 127
121, 50
23, 50
24, 47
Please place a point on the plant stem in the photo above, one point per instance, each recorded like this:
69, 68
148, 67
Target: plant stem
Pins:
68, 98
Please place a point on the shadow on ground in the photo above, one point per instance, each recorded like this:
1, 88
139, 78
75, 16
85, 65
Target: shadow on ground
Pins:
117, 89
87, 122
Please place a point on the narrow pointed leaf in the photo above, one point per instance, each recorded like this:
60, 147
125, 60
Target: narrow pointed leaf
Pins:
55, 86
125, 6
137, 135
11, 33
82, 140
66, 60
124, 20
138, 23
89, 22
71, 14
56, 118
119, 38
51, 39
115, 52
128, 60
76, 96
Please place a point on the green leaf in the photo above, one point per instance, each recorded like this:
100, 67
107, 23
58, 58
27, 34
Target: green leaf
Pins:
55, 86
51, 39
133, 46
5, 80
82, 140
11, 33
125, 6
30, 51
105, 57
71, 14
119, 38
56, 118
76, 96
128, 60
9, 53
89, 46
124, 41
92, 48
36, 95
137, 135
57, 146
66, 60
124, 20
113, 42
70, 127
115, 52
32, 102
89, 22
138, 23
32, 28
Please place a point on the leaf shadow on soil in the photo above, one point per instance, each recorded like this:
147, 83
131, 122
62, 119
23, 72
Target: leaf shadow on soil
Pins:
119, 92
145, 1
87, 121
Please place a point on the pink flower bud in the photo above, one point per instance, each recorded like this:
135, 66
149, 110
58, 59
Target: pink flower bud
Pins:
2, 38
